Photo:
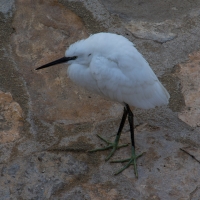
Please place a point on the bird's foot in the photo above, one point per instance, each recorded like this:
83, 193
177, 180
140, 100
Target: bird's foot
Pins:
110, 145
131, 161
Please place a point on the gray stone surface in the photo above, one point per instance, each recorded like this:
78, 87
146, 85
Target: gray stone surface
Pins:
47, 124
6, 6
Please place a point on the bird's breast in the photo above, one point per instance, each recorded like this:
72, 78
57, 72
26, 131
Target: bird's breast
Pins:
82, 76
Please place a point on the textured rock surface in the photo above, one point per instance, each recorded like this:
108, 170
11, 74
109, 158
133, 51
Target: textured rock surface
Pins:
189, 74
151, 31
10, 118
47, 124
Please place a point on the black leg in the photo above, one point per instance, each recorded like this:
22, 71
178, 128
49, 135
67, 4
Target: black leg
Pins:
121, 124
132, 160
131, 123
114, 145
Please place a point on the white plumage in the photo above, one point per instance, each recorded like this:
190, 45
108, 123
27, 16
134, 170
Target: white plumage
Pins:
110, 65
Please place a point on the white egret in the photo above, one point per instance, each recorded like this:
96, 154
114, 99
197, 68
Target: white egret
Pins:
109, 65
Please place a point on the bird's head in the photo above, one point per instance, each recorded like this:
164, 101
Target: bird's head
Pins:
77, 53
83, 52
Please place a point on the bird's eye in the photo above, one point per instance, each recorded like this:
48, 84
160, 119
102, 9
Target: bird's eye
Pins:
89, 54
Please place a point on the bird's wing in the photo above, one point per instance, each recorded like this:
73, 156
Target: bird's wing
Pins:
147, 90
108, 77
128, 83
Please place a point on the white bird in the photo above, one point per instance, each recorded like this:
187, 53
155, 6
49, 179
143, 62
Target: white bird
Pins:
109, 65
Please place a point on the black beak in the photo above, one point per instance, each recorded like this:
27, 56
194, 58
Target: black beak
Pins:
55, 62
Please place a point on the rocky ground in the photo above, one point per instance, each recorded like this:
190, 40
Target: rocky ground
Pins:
47, 123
